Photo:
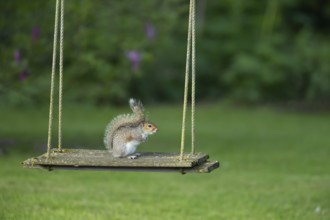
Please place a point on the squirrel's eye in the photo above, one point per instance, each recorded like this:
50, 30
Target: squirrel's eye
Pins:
149, 125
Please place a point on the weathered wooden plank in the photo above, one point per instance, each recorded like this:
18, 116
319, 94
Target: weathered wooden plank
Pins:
205, 167
102, 158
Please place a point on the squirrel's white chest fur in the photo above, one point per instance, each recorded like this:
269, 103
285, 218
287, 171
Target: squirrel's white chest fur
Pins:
133, 144
131, 147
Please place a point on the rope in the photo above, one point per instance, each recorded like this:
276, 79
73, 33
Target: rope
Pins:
191, 23
61, 80
50, 118
193, 79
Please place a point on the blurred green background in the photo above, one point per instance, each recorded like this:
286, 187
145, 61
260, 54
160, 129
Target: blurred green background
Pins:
260, 66
251, 51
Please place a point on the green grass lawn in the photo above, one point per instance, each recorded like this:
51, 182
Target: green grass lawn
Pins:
274, 165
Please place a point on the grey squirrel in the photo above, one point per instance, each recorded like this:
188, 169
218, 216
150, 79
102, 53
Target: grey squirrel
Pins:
125, 132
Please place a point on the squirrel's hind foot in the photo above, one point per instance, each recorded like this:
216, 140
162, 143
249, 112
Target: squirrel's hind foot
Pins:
134, 156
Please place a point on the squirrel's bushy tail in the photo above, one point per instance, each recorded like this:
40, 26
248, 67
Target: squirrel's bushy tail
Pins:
134, 119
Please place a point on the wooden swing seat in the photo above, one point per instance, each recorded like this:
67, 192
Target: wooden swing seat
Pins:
83, 159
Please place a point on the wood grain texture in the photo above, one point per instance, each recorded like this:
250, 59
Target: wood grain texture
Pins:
103, 160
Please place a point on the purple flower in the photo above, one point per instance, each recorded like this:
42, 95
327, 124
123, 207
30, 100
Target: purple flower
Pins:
23, 75
17, 57
149, 31
135, 58
35, 34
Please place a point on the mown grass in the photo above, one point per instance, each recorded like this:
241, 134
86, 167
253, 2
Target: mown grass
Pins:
274, 165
